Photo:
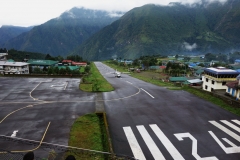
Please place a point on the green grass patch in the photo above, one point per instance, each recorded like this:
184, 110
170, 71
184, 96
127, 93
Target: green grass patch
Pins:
89, 132
95, 82
82, 69
212, 99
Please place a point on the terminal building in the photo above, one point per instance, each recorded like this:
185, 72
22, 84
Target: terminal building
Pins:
7, 67
217, 78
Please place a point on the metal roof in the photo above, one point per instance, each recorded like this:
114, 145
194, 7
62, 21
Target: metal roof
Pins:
195, 81
17, 64
220, 70
42, 62
178, 79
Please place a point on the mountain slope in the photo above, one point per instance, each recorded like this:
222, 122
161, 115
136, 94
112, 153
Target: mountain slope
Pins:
61, 35
172, 29
9, 32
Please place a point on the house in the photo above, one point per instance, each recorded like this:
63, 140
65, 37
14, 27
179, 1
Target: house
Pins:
195, 82
84, 64
178, 79
3, 56
14, 67
217, 78
42, 63
67, 62
237, 61
235, 66
233, 88
213, 62
199, 72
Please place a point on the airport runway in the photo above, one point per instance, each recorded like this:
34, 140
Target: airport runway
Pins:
152, 122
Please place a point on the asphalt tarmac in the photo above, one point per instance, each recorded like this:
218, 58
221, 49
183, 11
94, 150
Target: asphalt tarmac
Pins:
40, 109
151, 122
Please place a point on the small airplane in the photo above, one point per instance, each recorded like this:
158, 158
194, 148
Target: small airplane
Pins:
117, 74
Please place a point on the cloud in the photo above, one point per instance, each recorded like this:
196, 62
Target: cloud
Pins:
32, 12
189, 47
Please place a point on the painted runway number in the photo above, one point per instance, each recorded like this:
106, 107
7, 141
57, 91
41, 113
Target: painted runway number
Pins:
157, 154
234, 148
180, 137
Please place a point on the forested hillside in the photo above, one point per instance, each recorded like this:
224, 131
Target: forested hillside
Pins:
173, 29
61, 35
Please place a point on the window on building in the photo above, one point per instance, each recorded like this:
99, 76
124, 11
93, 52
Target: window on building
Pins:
206, 86
212, 82
224, 83
206, 79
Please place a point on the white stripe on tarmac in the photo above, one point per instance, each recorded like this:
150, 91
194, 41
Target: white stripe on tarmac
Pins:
136, 149
229, 142
150, 143
224, 129
147, 93
231, 125
236, 121
128, 82
65, 86
166, 142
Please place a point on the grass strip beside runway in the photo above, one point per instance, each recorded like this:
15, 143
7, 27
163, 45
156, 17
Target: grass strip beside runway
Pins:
95, 82
89, 132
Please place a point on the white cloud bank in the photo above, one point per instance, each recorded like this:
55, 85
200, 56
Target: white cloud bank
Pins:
189, 47
34, 12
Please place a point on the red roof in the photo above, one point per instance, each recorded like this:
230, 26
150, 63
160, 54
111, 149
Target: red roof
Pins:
232, 84
162, 67
66, 61
79, 63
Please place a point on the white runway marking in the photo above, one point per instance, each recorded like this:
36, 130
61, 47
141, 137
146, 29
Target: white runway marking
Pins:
231, 125
147, 93
224, 129
65, 86
157, 154
129, 82
180, 137
136, 149
166, 142
14, 133
236, 121
234, 148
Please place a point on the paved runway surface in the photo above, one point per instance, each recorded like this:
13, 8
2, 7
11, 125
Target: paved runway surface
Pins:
27, 105
151, 122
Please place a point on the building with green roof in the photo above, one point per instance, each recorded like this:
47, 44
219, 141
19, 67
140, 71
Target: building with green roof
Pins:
178, 79
42, 63
72, 68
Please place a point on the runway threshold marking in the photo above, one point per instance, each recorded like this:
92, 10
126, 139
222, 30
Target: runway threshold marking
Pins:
156, 153
166, 142
40, 143
134, 145
147, 92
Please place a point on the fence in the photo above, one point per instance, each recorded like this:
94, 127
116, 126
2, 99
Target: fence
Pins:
48, 151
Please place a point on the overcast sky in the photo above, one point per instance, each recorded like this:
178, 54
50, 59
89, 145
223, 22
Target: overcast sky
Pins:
36, 12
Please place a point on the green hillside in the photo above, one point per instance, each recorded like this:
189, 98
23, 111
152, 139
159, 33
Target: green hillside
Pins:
173, 29
61, 35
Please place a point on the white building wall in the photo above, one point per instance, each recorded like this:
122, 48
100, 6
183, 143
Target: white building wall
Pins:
208, 85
